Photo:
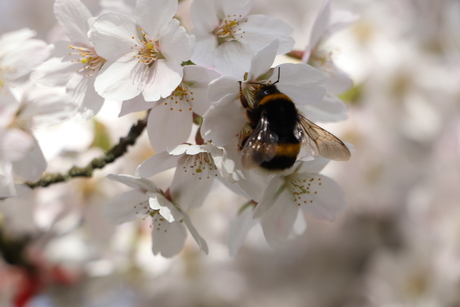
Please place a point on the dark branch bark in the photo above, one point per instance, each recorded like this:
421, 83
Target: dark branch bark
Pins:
117, 151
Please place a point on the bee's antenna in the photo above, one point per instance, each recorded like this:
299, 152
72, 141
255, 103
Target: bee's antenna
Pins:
279, 72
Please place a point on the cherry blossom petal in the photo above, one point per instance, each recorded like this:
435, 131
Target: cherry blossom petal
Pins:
234, 8
300, 225
330, 109
156, 164
201, 242
223, 87
190, 187
136, 104
199, 77
204, 15
239, 228
327, 23
256, 35
263, 59
11, 40
205, 48
16, 144
121, 81
165, 207
82, 90
302, 83
73, 16
111, 36
140, 184
233, 58
314, 166
325, 198
45, 106
32, 166
277, 222
34, 50
163, 78
338, 82
168, 239
168, 128
270, 196
176, 46
7, 187
223, 121
56, 71
152, 15
127, 207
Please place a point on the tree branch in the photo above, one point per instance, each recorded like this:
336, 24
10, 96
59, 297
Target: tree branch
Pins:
117, 151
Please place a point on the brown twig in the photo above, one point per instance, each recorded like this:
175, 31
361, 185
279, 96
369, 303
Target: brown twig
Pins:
117, 151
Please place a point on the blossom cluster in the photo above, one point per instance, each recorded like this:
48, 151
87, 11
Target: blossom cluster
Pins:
190, 80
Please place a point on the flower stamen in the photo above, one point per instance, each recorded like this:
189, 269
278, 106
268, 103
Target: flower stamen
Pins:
229, 30
91, 61
148, 50
300, 188
201, 165
179, 96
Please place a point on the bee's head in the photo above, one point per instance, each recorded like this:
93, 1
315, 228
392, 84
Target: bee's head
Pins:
266, 90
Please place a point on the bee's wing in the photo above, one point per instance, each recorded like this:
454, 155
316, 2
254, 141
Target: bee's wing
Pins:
261, 144
320, 142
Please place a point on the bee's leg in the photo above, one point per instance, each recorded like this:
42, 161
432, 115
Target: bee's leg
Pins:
243, 100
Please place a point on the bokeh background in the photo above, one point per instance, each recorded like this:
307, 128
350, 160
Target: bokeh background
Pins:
396, 244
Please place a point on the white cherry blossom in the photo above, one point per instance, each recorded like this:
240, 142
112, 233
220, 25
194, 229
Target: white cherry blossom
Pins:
22, 111
332, 108
227, 38
194, 175
19, 55
302, 188
169, 221
171, 118
74, 63
144, 55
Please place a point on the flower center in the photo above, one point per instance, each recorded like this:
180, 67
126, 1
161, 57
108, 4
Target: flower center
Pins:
301, 188
148, 49
89, 59
229, 29
323, 61
180, 99
200, 165
4, 71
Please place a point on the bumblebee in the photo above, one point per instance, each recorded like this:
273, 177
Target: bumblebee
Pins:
277, 132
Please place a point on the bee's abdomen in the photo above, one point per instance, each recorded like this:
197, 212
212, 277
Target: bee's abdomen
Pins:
285, 157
